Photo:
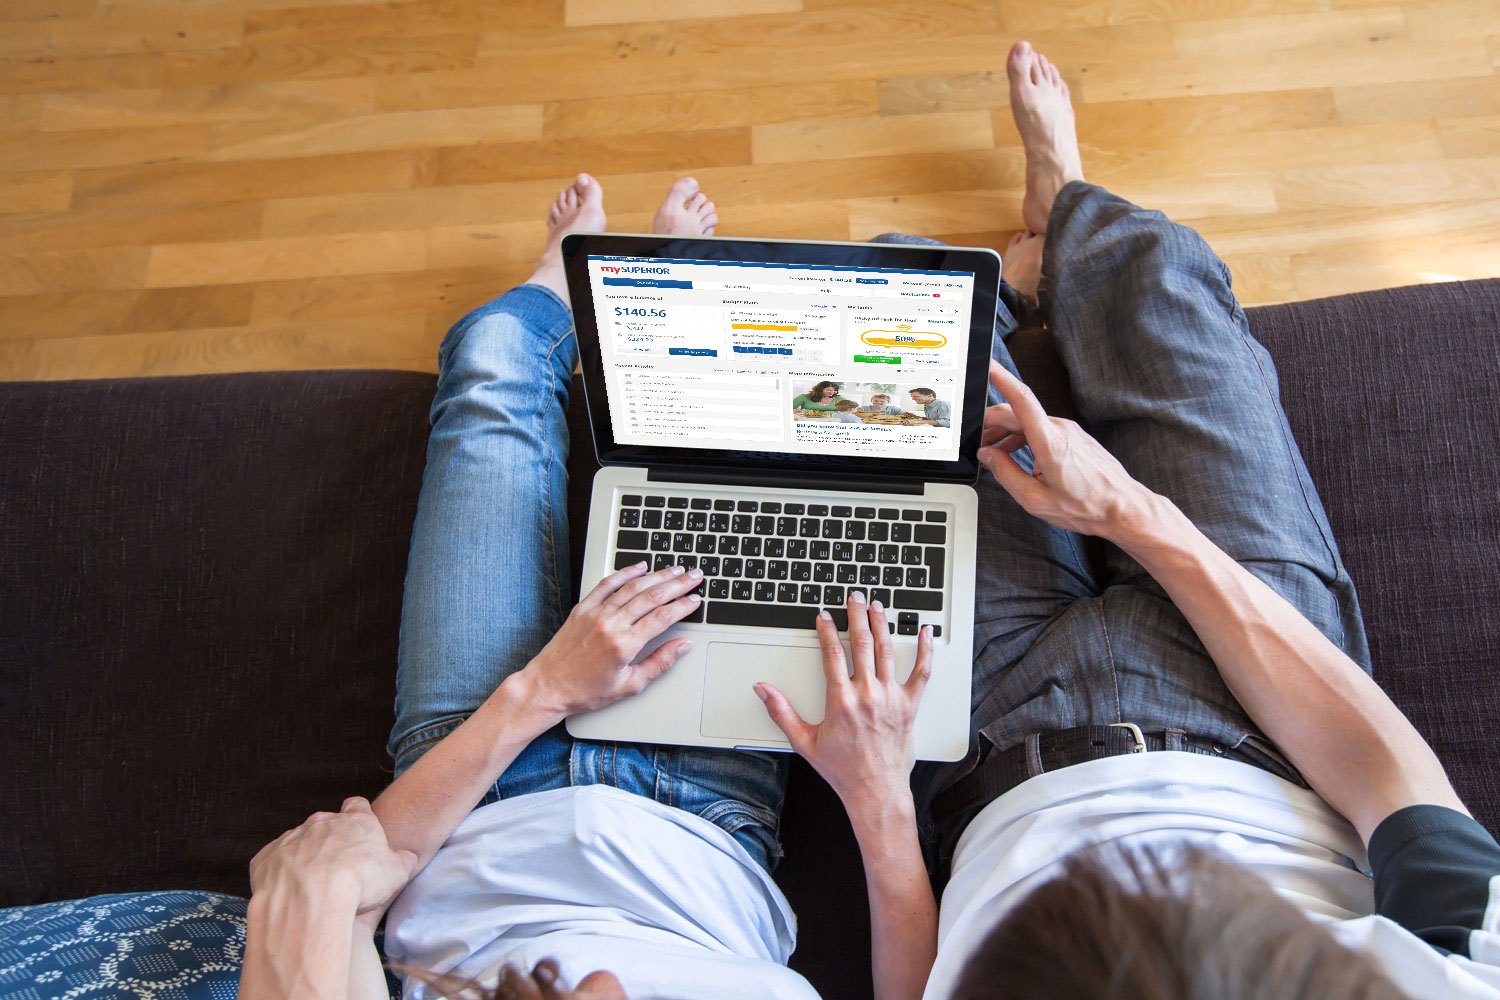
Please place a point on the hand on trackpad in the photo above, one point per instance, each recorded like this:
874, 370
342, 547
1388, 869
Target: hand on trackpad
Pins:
730, 708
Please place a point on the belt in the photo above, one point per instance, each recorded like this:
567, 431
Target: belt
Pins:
1001, 771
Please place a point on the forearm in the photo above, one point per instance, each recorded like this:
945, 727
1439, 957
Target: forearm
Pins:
1337, 726
426, 803
298, 942
903, 912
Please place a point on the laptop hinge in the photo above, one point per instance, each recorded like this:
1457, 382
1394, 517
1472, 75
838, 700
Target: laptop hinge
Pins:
779, 481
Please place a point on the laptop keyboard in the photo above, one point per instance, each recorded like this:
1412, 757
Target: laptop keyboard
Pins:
776, 564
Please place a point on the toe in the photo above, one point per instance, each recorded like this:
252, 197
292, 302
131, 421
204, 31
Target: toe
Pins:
1017, 237
697, 201
1037, 74
681, 190
587, 190
706, 209
710, 221
1056, 74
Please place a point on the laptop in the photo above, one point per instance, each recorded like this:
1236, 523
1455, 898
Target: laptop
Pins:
797, 420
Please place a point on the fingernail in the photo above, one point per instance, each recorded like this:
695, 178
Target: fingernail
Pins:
639, 565
684, 648
927, 630
825, 616
678, 570
694, 598
695, 573
759, 692
877, 606
858, 597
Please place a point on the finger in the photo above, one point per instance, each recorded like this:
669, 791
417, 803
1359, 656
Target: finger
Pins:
835, 670
659, 594
861, 643
1001, 415
1008, 473
798, 733
355, 804
921, 671
1029, 412
656, 622
662, 660
633, 588
884, 651
607, 586
409, 859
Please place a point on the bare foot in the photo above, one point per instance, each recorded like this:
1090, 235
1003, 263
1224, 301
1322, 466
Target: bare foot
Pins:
1021, 263
685, 211
1044, 116
579, 208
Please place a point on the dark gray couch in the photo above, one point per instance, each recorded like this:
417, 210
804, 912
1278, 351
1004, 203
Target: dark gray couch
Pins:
200, 585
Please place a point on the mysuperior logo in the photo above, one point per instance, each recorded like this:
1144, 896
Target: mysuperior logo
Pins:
633, 269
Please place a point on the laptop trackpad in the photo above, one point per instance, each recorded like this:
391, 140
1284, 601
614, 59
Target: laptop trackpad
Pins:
730, 708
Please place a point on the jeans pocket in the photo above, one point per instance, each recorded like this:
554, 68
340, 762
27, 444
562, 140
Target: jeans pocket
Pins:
756, 831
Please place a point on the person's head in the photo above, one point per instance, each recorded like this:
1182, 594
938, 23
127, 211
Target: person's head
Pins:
922, 396
544, 982
879, 399
1116, 924
846, 405
824, 391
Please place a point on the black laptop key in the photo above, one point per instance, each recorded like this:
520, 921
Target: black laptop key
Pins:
741, 524
846, 573
935, 564
818, 509
718, 522
864, 512
869, 575
778, 569
878, 531
801, 571
686, 560
697, 521
661, 560
864, 552
718, 589
911, 515
749, 506
937, 515
920, 600
631, 539
796, 548
842, 551
674, 520
810, 527
881, 596
786, 527
749, 546
811, 594
834, 596
901, 533
723, 505
741, 590
682, 542
630, 500
892, 576
755, 569
854, 530
696, 616
786, 593
770, 507
911, 555
656, 501
651, 519
840, 616
764, 524
709, 565
765, 591
906, 623
733, 567
661, 541
916, 576
623, 559
630, 517
793, 508
729, 545
774, 548
843, 512
889, 553
706, 543
820, 550
833, 529
930, 534
702, 503
762, 615
890, 514
677, 503
823, 572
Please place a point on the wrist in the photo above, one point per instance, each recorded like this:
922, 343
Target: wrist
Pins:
876, 815
524, 697
1141, 521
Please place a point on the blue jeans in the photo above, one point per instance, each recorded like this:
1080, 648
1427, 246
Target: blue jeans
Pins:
488, 576
1167, 376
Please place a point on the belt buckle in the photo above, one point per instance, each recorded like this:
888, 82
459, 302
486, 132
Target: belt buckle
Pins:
1135, 731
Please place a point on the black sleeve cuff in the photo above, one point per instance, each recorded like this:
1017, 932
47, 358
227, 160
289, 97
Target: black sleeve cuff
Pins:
1432, 868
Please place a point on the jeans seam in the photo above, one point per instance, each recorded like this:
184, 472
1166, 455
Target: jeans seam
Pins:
555, 584
1109, 653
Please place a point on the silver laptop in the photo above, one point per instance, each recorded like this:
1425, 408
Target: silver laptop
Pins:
797, 420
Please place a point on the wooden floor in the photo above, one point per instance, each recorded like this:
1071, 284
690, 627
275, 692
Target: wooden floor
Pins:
227, 185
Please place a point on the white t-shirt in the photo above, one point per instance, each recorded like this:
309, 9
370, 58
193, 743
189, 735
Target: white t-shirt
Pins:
1286, 834
598, 878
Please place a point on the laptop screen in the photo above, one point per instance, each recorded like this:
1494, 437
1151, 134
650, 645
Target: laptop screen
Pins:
798, 359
